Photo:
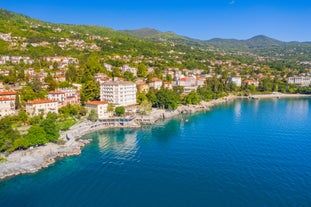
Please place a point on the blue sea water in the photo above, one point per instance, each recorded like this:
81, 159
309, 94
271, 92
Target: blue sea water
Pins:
245, 153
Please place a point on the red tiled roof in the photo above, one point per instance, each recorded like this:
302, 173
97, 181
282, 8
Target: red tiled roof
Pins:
96, 102
7, 93
155, 79
142, 84
6, 99
40, 101
56, 92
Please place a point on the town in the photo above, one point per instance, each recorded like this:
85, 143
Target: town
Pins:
53, 77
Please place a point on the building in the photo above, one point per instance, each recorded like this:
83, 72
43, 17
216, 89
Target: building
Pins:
200, 81
156, 83
235, 80
100, 107
7, 107
142, 87
41, 106
301, 81
120, 93
8, 94
125, 68
100, 77
187, 81
251, 82
189, 84
57, 95
168, 85
65, 96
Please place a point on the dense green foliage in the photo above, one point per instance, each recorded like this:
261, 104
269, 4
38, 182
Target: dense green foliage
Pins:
164, 98
119, 111
92, 115
39, 130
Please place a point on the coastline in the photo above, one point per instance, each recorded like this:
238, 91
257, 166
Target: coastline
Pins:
37, 158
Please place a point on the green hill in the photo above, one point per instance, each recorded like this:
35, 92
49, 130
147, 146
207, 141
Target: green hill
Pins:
35, 38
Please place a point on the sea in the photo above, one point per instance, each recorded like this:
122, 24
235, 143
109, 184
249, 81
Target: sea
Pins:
243, 153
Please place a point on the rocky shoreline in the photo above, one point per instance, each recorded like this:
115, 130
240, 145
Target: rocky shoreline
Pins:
37, 158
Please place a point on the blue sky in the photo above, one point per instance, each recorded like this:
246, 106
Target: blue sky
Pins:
285, 20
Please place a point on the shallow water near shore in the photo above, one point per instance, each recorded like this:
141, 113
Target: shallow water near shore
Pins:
244, 153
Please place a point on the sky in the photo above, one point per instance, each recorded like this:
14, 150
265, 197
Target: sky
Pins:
287, 20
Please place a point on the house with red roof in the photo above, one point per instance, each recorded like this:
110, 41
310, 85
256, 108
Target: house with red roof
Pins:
65, 96
7, 106
8, 94
41, 106
100, 107
156, 83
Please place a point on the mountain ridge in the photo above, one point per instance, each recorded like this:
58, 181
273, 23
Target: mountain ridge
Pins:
259, 45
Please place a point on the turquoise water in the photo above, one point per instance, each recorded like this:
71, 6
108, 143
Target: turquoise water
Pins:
246, 153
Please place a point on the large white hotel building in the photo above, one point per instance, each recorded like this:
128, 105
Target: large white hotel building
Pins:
120, 93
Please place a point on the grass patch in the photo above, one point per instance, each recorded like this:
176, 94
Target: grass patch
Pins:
64, 125
2, 159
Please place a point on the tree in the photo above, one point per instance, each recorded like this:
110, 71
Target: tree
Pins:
71, 74
142, 70
52, 84
90, 91
110, 107
50, 127
27, 94
167, 99
7, 134
17, 102
178, 89
93, 116
120, 110
64, 84
192, 98
36, 84
152, 97
141, 97
145, 107
22, 116
128, 76
36, 136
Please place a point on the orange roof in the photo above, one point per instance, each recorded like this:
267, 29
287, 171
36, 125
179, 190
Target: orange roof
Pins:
6, 99
96, 102
167, 83
40, 101
155, 79
56, 92
142, 84
7, 93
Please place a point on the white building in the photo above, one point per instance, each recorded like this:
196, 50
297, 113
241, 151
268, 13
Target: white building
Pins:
7, 107
302, 81
120, 93
125, 68
65, 96
8, 94
235, 80
41, 106
156, 83
100, 107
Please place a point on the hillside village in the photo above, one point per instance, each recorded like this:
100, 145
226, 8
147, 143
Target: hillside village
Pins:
84, 72
57, 69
